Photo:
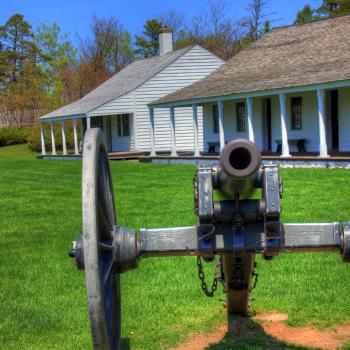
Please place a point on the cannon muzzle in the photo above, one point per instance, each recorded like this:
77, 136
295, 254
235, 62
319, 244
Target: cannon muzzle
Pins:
238, 172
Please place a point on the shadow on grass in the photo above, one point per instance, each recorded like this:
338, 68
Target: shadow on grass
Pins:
125, 344
246, 334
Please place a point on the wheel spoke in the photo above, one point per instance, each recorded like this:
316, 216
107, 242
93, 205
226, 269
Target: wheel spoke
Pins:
105, 246
105, 190
109, 272
105, 226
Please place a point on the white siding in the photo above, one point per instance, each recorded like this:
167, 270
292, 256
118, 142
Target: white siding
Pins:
191, 67
309, 129
230, 123
121, 105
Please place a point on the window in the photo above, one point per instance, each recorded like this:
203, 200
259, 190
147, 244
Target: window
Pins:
97, 122
296, 103
123, 125
240, 112
215, 119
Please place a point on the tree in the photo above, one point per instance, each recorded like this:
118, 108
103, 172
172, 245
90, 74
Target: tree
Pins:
256, 19
110, 47
148, 44
18, 48
216, 16
174, 20
329, 8
123, 51
20, 78
107, 51
214, 30
57, 53
307, 14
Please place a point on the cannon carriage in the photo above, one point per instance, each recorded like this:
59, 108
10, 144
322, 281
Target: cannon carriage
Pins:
232, 225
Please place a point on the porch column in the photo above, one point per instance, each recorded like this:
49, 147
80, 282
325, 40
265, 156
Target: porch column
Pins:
134, 123
75, 133
285, 146
195, 129
221, 124
82, 129
172, 129
250, 119
321, 122
43, 150
52, 124
151, 134
64, 143
88, 123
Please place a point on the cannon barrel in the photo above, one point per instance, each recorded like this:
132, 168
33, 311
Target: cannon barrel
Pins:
238, 171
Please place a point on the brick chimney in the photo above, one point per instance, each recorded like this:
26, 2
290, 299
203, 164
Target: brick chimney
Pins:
165, 41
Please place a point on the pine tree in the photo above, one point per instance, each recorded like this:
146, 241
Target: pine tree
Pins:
329, 8
19, 50
20, 77
307, 14
148, 44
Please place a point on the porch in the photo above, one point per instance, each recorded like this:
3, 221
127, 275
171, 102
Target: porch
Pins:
306, 160
117, 132
309, 159
301, 123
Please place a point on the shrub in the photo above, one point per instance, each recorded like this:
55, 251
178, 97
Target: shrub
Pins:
34, 140
13, 135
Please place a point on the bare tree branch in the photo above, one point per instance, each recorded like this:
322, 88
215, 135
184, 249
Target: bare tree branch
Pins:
172, 19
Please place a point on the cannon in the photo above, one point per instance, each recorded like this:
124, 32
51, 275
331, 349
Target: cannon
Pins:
233, 226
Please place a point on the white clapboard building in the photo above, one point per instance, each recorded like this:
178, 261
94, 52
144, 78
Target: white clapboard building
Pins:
120, 105
288, 92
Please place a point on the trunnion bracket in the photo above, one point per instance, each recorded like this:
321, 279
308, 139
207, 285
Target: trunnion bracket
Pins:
236, 213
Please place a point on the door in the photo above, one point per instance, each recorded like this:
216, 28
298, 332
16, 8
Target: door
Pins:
267, 124
334, 120
121, 132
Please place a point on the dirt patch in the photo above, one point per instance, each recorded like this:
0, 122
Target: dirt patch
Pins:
200, 341
273, 325
329, 339
271, 316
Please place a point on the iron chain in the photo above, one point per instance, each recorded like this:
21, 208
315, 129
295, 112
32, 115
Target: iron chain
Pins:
255, 275
217, 277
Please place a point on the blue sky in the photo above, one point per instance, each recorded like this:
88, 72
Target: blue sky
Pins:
73, 16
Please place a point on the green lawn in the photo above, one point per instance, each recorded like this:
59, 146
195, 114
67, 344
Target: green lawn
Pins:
42, 295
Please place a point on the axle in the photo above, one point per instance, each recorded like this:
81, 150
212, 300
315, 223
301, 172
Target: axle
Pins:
184, 241
297, 237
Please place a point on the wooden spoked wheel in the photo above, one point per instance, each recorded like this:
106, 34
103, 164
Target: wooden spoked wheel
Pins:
102, 279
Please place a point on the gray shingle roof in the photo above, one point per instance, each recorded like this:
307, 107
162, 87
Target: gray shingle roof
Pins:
298, 55
128, 79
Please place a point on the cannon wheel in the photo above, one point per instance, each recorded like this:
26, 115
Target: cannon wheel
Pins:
102, 280
237, 301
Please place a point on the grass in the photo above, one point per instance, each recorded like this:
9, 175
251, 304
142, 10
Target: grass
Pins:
42, 295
